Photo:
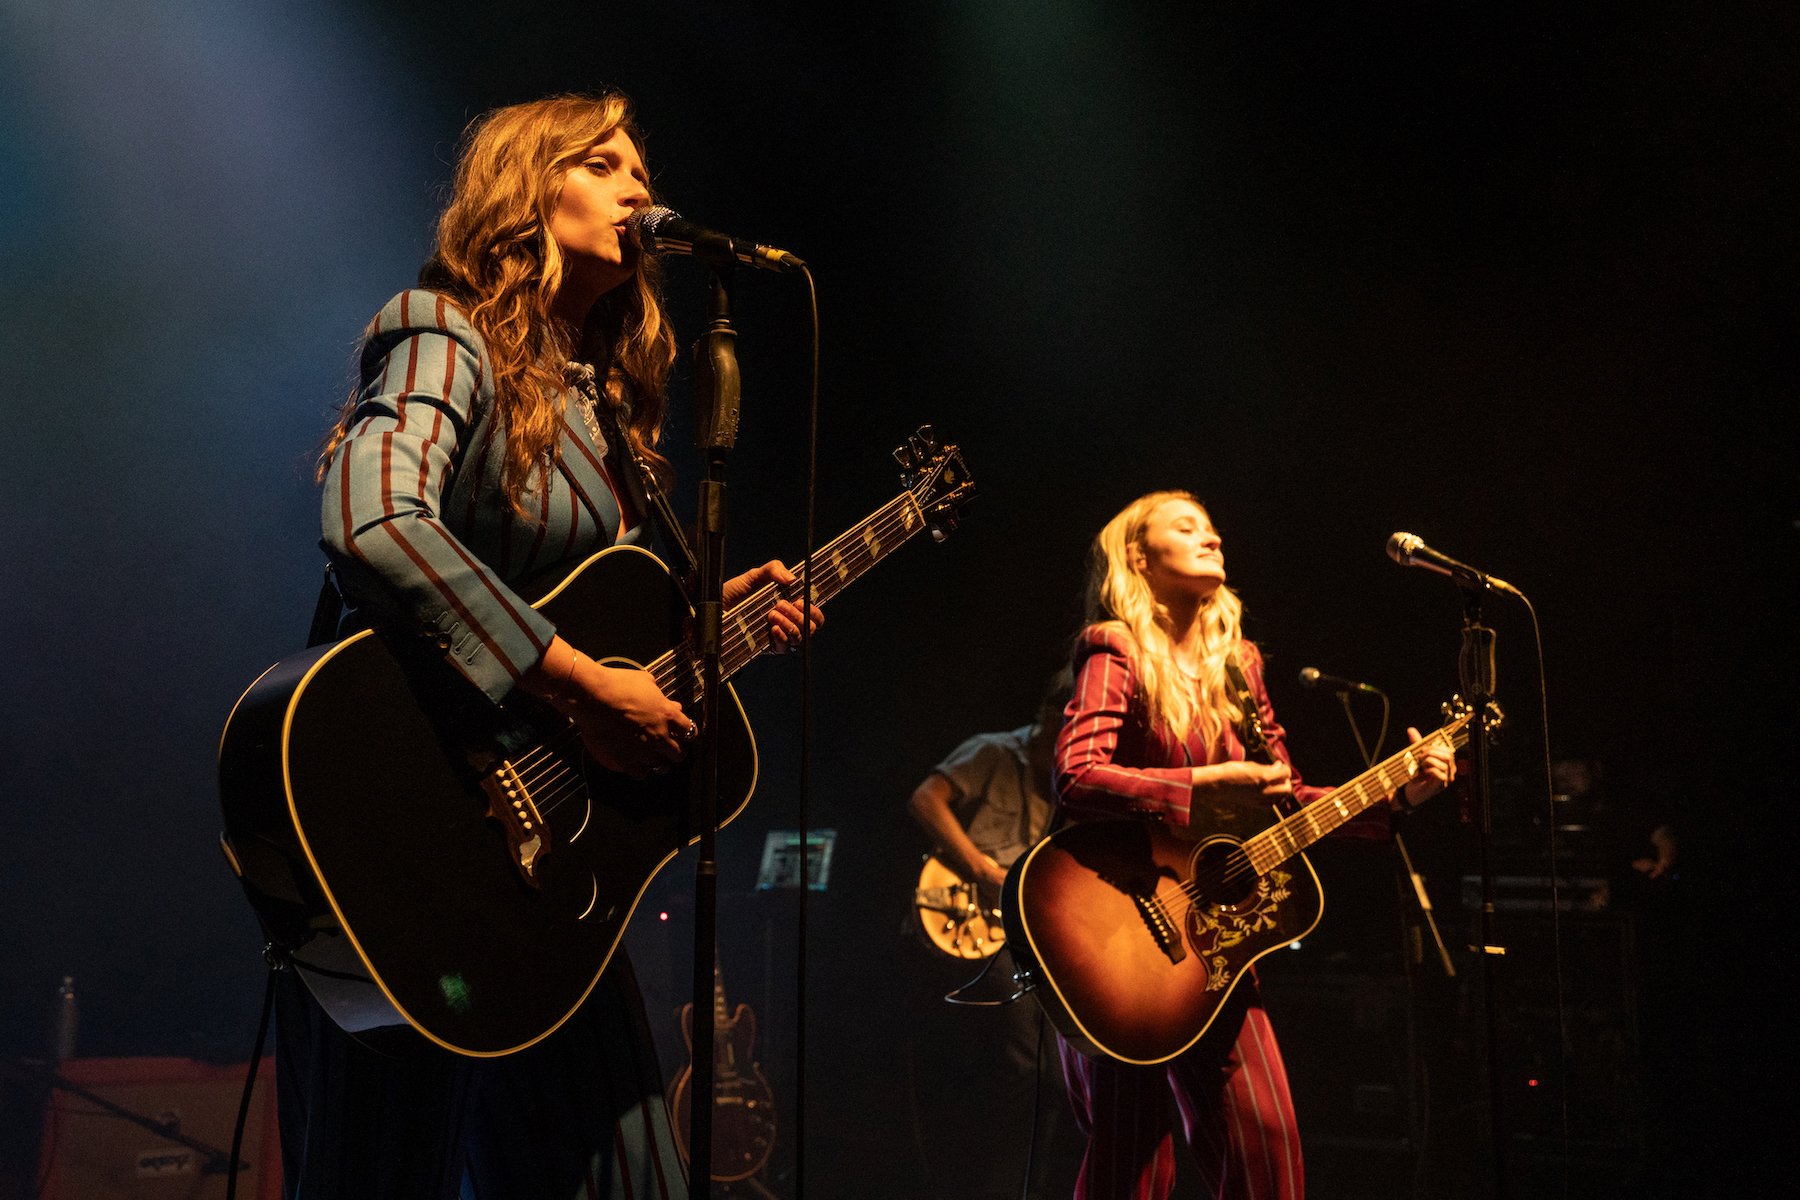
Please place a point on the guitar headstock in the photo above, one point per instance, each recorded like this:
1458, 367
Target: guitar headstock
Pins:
935, 475
1457, 709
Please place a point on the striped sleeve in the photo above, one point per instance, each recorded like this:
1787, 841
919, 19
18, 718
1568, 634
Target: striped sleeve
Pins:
383, 512
1100, 715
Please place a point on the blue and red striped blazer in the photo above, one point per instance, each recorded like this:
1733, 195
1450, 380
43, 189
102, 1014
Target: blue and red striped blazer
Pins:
414, 516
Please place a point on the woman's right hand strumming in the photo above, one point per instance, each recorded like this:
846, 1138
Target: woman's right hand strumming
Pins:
625, 721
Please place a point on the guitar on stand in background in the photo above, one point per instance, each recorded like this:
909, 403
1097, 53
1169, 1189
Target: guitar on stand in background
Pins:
743, 1130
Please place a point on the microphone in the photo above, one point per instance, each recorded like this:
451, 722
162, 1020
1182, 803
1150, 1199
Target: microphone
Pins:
1410, 550
659, 230
1312, 677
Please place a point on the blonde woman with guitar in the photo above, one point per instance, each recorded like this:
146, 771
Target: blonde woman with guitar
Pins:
1168, 702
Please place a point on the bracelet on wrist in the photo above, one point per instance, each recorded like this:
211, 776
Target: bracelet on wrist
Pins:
566, 690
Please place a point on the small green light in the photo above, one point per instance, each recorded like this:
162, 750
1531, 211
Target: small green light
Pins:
456, 992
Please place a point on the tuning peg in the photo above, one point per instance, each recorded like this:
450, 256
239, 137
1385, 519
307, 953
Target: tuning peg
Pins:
904, 455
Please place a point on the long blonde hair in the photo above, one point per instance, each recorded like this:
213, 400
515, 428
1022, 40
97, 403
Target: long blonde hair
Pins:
495, 259
1119, 596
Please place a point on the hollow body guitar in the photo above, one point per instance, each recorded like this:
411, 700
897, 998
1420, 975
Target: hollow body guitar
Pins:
429, 859
959, 917
743, 1128
1135, 936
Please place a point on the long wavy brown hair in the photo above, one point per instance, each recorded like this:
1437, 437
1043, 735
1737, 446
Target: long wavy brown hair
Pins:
495, 260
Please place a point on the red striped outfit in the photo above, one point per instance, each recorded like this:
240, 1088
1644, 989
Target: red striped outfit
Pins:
1230, 1089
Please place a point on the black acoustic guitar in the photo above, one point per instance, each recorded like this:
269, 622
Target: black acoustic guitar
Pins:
1134, 933
429, 859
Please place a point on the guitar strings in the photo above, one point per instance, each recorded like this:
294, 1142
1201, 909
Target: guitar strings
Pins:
1330, 807
545, 771
1241, 861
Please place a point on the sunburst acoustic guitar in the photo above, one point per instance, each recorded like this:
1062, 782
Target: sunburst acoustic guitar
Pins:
1135, 935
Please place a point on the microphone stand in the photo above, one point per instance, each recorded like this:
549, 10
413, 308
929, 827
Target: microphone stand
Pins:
1476, 667
1412, 874
716, 395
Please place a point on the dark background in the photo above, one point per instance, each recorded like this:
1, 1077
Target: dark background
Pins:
1517, 280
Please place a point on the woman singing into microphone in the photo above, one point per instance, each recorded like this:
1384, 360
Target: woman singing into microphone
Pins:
464, 463
1152, 732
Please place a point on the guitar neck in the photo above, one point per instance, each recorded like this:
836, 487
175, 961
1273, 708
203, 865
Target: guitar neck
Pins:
1292, 834
836, 565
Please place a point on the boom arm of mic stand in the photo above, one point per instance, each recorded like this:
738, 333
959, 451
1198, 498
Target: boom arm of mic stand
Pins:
1429, 913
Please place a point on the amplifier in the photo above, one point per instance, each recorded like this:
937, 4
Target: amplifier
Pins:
1534, 893
90, 1153
1350, 1060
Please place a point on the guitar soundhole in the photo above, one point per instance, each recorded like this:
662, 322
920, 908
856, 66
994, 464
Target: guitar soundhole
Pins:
1222, 877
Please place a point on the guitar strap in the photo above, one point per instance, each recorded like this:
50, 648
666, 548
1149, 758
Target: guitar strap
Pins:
641, 489
1249, 725
328, 610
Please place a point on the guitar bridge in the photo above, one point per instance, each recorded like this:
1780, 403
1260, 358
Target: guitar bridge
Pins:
1161, 926
510, 803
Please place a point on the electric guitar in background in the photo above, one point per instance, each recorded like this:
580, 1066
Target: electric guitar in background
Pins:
743, 1129
958, 918
426, 858
1134, 934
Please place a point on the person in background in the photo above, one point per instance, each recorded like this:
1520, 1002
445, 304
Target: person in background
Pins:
978, 1072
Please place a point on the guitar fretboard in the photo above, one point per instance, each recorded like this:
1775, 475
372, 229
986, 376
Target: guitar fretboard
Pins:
1292, 834
837, 564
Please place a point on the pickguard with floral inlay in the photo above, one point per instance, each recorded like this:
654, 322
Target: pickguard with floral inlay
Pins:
1213, 930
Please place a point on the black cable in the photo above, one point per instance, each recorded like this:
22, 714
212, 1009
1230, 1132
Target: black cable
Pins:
235, 1162
1556, 948
806, 592
1037, 1105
